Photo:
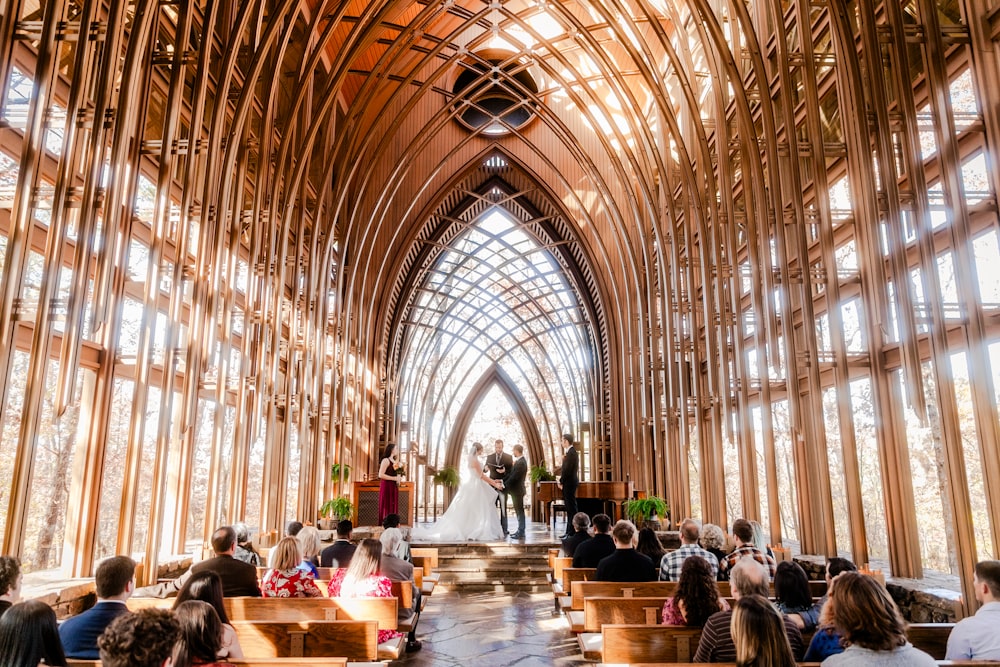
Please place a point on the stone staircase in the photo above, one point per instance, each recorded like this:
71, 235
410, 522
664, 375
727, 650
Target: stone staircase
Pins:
493, 566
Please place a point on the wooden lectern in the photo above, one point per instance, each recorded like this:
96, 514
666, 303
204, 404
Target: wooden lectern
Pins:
366, 503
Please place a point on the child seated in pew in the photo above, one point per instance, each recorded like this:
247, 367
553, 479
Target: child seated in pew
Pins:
285, 579
697, 596
207, 587
201, 635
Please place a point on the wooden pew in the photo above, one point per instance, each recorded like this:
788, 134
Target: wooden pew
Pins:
381, 610
579, 590
559, 563
355, 640
598, 612
647, 643
931, 638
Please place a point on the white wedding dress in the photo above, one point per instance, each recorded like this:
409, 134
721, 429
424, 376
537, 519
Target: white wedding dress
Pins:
472, 515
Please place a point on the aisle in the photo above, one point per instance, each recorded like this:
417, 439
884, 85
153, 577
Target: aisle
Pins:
496, 629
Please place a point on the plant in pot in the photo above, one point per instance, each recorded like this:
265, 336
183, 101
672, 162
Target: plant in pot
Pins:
337, 509
338, 469
540, 473
648, 510
446, 477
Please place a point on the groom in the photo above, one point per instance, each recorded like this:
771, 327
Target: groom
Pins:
513, 485
498, 465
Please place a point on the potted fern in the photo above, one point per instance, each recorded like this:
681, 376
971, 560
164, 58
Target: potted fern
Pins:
540, 473
446, 477
337, 509
647, 510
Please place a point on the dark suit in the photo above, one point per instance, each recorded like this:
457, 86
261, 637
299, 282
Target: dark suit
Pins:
513, 485
338, 554
504, 462
238, 578
570, 543
590, 552
79, 633
625, 565
570, 479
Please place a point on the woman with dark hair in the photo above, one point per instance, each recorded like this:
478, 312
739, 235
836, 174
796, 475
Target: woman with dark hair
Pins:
758, 632
201, 635
697, 595
206, 586
286, 579
388, 488
362, 579
869, 624
649, 544
29, 636
791, 588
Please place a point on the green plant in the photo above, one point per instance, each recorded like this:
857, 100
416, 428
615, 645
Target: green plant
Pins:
642, 509
337, 468
446, 477
540, 473
337, 508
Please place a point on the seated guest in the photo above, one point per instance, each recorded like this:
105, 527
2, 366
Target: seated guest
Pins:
244, 546
743, 534
697, 596
309, 543
807, 620
625, 564
398, 569
758, 632
403, 550
115, 581
286, 578
748, 577
29, 637
362, 579
10, 582
292, 529
671, 563
870, 625
143, 639
238, 578
649, 545
207, 587
581, 533
791, 588
339, 553
590, 552
201, 635
976, 637
713, 540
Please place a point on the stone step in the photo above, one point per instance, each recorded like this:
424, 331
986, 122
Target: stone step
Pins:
498, 567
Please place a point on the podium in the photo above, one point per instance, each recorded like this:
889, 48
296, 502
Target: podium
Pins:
366, 503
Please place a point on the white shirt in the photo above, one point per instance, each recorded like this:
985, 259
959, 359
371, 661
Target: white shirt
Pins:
976, 637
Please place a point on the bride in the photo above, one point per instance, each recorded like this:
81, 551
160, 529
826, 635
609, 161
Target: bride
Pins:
473, 514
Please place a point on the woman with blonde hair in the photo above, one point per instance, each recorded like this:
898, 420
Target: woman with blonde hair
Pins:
713, 540
869, 624
285, 579
758, 632
362, 579
309, 544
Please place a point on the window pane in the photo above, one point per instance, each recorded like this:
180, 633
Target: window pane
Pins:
869, 466
835, 456
114, 468
973, 458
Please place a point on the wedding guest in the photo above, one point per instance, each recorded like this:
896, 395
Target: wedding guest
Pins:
625, 564
114, 580
976, 637
697, 596
339, 553
244, 545
207, 587
309, 544
713, 540
601, 545
791, 588
10, 582
403, 550
292, 529
29, 636
825, 641
238, 578
581, 533
745, 548
362, 579
649, 545
759, 634
144, 639
286, 578
671, 563
400, 570
870, 625
201, 635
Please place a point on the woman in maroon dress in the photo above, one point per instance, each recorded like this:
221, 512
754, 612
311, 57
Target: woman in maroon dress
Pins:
388, 489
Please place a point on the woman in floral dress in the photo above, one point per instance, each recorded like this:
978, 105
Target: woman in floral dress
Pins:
285, 579
362, 579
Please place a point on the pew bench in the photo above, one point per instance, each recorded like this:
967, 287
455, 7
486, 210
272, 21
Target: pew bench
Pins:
355, 640
426, 559
636, 643
932, 638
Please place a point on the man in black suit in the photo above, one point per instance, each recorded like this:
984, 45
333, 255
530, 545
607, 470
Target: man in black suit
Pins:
340, 553
115, 581
592, 551
569, 479
497, 465
625, 563
513, 485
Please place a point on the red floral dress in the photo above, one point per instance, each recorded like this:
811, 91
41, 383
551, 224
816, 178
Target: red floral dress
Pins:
375, 586
289, 584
